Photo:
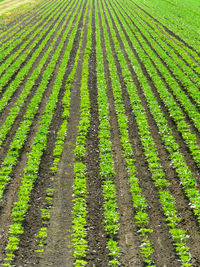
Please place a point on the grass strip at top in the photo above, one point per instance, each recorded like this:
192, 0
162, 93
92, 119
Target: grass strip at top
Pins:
172, 48
175, 22
170, 103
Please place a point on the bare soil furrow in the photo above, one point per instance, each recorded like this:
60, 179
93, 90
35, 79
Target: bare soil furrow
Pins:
58, 249
33, 219
97, 252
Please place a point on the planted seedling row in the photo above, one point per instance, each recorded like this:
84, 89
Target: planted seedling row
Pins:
59, 145
79, 210
139, 201
107, 173
10, 31
6, 77
7, 47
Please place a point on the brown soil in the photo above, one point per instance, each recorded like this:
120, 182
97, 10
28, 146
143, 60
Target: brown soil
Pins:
58, 249
97, 252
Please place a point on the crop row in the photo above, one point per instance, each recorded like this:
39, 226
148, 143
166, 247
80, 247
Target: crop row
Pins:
22, 131
79, 211
185, 174
166, 199
106, 166
14, 111
139, 201
7, 47
34, 156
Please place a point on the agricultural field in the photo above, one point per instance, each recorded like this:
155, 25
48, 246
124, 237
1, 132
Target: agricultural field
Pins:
100, 134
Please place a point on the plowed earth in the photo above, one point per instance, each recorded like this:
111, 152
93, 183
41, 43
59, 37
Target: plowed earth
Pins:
58, 248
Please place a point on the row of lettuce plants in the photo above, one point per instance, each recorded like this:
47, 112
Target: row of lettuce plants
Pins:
6, 77
79, 210
14, 111
58, 148
8, 32
22, 132
174, 110
29, 44
184, 173
106, 166
139, 201
21, 206
7, 46
167, 201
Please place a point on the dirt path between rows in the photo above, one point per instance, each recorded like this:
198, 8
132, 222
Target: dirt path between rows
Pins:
58, 251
